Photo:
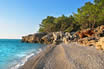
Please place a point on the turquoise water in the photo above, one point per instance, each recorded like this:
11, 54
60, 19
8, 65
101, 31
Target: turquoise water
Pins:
13, 51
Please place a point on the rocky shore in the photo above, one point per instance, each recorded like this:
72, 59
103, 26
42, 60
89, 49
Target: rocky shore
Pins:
86, 37
83, 49
47, 38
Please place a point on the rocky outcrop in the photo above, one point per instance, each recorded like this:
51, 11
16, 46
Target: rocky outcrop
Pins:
60, 37
99, 31
100, 44
88, 41
96, 39
86, 37
48, 38
68, 56
34, 38
85, 33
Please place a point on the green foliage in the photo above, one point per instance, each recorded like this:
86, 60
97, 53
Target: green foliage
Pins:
97, 1
88, 16
52, 24
47, 25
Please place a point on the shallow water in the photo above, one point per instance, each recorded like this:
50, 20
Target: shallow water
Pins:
12, 52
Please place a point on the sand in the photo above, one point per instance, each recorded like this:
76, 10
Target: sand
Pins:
67, 56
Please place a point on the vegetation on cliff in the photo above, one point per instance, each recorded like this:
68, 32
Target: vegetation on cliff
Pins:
88, 16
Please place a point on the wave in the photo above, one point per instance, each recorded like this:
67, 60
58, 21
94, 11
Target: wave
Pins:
25, 59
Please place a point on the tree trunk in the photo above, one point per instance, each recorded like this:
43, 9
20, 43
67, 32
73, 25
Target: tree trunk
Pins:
93, 24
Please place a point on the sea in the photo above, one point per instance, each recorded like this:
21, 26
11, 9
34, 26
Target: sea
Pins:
14, 53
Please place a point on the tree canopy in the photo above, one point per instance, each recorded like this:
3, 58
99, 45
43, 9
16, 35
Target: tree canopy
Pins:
90, 15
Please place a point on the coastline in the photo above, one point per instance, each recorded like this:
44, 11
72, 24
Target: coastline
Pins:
26, 59
81, 50
66, 56
29, 63
22, 61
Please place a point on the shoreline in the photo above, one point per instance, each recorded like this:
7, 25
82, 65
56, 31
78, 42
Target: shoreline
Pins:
28, 64
81, 50
26, 59
66, 56
23, 61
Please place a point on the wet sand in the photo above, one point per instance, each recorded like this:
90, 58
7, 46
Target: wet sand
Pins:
67, 56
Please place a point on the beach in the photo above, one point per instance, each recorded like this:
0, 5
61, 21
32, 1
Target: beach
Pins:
52, 34
67, 56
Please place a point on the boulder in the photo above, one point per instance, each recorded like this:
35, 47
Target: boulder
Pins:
99, 31
85, 33
100, 44
48, 39
56, 38
58, 35
34, 38
88, 41
65, 40
67, 37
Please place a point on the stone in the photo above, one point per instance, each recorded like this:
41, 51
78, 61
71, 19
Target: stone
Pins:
33, 38
88, 41
48, 39
65, 40
100, 43
99, 31
85, 33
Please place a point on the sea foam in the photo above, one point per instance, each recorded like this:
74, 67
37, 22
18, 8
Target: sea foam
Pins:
25, 59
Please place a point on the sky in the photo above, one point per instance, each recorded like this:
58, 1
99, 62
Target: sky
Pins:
22, 17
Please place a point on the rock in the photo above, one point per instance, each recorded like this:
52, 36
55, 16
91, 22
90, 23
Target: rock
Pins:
67, 37
100, 44
27, 39
91, 37
99, 31
87, 37
65, 40
85, 33
48, 39
34, 38
56, 38
88, 41
58, 35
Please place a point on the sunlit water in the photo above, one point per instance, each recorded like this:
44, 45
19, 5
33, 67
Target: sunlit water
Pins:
13, 52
